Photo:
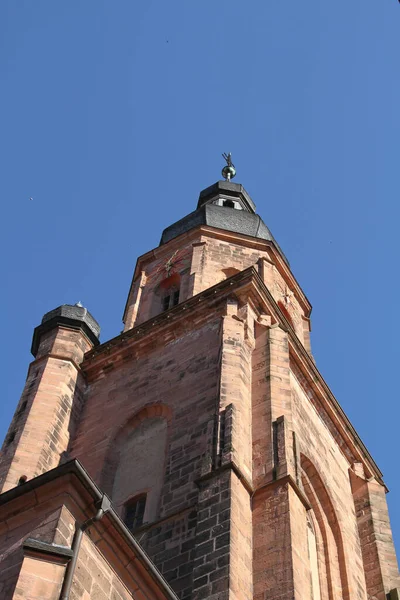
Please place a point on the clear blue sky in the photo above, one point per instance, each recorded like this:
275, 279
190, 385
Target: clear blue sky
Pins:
113, 118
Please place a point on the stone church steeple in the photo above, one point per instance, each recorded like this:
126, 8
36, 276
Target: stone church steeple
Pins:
209, 427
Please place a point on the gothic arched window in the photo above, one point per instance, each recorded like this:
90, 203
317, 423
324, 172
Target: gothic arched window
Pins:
326, 552
133, 474
140, 470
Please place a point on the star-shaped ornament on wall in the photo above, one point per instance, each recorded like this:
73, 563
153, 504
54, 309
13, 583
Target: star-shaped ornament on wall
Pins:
287, 295
175, 263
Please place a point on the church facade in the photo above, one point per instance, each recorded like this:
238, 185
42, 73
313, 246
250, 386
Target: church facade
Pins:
198, 455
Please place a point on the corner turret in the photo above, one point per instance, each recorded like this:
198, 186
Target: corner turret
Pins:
51, 402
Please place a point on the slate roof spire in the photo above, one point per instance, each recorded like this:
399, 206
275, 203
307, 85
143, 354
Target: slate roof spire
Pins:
224, 205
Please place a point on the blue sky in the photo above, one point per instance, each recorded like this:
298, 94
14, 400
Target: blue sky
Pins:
113, 118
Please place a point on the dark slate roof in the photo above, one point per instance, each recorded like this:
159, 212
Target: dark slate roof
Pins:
243, 221
73, 316
227, 189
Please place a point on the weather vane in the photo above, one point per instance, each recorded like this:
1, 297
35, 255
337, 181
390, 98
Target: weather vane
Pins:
229, 171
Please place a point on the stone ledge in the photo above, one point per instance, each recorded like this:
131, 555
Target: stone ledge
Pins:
287, 479
39, 548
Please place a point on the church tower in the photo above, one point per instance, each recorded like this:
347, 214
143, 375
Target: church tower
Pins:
200, 453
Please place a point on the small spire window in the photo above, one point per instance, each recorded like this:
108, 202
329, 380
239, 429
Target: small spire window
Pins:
228, 203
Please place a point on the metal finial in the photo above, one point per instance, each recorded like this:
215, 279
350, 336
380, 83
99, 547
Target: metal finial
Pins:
229, 171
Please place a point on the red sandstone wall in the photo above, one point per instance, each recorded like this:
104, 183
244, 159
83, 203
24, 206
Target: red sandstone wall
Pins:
226, 397
218, 258
49, 408
41, 519
180, 379
107, 568
241, 583
38, 580
272, 559
204, 261
317, 444
95, 580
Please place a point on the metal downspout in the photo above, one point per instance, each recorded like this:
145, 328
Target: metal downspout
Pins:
104, 506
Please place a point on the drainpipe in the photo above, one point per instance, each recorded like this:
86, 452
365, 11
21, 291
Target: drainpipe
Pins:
102, 507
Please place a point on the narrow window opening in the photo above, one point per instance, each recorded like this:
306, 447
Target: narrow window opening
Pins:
228, 203
170, 299
175, 298
134, 512
167, 294
22, 479
165, 302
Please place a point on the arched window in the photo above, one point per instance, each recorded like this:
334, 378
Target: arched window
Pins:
133, 474
168, 292
140, 472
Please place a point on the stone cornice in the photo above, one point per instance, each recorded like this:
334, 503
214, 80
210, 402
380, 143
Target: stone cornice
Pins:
164, 324
228, 466
286, 479
52, 552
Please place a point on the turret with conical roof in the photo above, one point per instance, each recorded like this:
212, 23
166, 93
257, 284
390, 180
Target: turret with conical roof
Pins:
51, 403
